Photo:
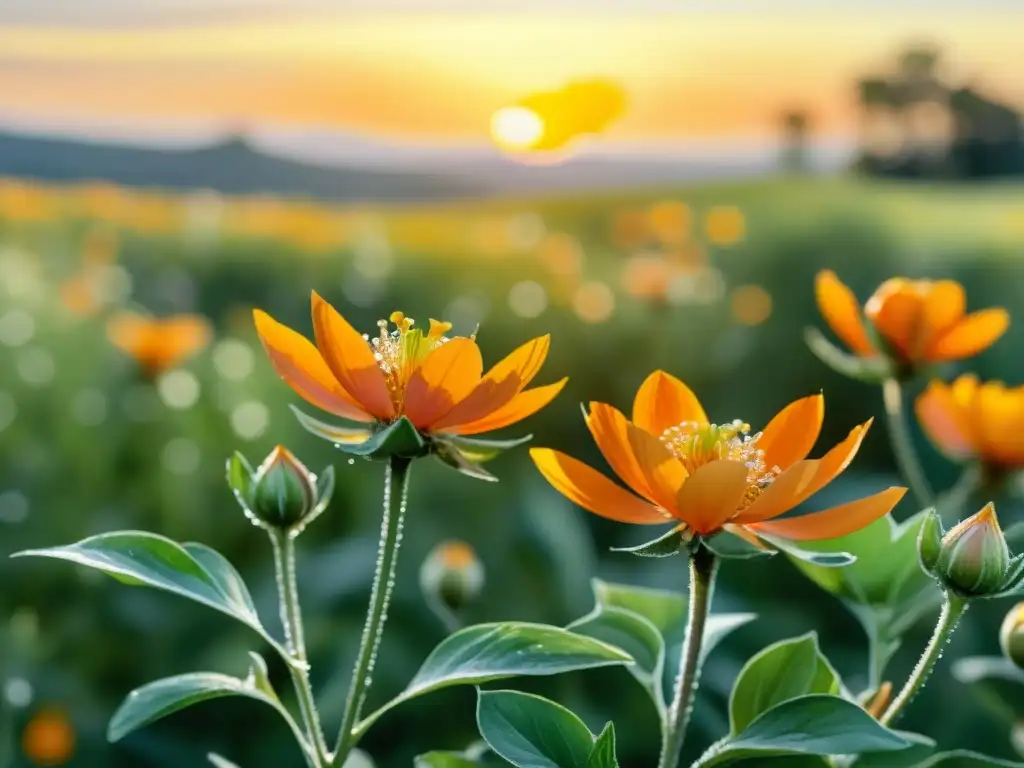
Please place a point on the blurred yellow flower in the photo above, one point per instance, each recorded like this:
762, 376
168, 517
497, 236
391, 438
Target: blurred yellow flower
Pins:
158, 344
918, 321
751, 304
670, 221
49, 738
725, 225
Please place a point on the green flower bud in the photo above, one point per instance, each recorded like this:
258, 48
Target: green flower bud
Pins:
452, 575
974, 560
929, 541
281, 494
1011, 635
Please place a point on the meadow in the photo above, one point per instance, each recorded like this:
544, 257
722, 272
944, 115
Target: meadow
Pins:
712, 283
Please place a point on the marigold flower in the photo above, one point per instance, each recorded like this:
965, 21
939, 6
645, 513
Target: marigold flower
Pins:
158, 344
969, 420
434, 381
712, 477
919, 321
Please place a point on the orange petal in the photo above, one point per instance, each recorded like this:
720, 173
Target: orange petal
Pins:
663, 401
502, 383
447, 375
963, 389
592, 490
997, 416
663, 472
833, 463
781, 495
897, 317
841, 311
711, 495
522, 405
944, 306
835, 522
297, 361
791, 435
611, 433
973, 334
351, 360
945, 421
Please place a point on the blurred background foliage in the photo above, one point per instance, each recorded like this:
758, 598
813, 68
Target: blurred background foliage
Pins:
713, 283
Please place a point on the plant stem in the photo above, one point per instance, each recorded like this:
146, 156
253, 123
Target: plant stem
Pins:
952, 609
903, 444
703, 567
291, 617
396, 484
956, 499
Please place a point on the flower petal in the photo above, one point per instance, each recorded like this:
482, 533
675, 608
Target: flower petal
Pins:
501, 384
664, 473
841, 311
791, 435
297, 361
592, 490
944, 306
833, 463
998, 420
611, 433
973, 334
835, 522
781, 495
351, 360
945, 421
521, 406
897, 317
711, 495
663, 401
446, 376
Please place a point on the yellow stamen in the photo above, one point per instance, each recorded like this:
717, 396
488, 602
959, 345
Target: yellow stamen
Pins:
438, 328
401, 351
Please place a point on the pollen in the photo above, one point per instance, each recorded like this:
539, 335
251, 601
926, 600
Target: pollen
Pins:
401, 350
696, 444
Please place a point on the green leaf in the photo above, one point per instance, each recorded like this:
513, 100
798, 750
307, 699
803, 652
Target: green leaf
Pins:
808, 725
869, 370
731, 547
476, 755
220, 762
997, 683
822, 559
921, 747
650, 625
458, 461
782, 671
487, 652
532, 732
962, 758
156, 700
138, 558
397, 439
603, 753
666, 545
478, 450
239, 474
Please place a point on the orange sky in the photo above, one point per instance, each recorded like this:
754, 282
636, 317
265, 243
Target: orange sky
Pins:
440, 78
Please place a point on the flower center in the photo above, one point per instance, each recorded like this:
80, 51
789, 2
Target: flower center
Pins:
696, 444
399, 352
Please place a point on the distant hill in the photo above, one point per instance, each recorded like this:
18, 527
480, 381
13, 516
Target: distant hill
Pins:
230, 167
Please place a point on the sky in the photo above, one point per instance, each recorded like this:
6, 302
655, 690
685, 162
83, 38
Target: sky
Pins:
437, 77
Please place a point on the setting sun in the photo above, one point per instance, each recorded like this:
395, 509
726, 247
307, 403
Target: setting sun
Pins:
516, 128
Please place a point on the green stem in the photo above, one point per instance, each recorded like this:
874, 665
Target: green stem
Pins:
903, 444
952, 503
703, 567
952, 609
291, 617
396, 485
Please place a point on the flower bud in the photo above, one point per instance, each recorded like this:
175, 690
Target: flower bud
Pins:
1011, 635
452, 575
929, 541
973, 559
281, 494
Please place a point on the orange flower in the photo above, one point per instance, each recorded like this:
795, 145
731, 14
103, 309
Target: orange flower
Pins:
970, 420
159, 344
436, 382
712, 477
920, 321
49, 738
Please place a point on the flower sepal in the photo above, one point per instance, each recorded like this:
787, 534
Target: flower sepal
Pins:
671, 543
870, 370
281, 494
465, 454
731, 547
398, 439
824, 559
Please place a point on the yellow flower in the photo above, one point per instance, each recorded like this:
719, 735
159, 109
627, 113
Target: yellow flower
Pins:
711, 477
972, 420
436, 382
158, 344
919, 321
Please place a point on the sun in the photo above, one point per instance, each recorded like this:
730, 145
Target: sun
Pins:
516, 128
